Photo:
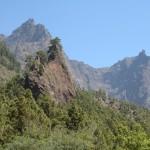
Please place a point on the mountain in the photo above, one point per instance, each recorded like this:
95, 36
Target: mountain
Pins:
41, 108
130, 79
27, 39
127, 79
55, 79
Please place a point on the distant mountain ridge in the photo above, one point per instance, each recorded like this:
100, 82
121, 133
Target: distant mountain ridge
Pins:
127, 79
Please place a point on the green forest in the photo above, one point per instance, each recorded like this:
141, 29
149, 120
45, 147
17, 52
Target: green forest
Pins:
89, 121
83, 123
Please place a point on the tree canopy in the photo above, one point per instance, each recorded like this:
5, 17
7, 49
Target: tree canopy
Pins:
83, 123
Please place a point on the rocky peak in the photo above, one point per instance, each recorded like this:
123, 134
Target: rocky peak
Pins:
135, 62
27, 24
52, 77
30, 21
29, 32
142, 58
28, 39
142, 53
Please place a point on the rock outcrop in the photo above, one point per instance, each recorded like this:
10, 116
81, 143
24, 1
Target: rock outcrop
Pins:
55, 79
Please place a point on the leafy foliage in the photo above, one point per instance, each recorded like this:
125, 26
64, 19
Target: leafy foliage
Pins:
83, 123
54, 48
75, 117
42, 56
37, 62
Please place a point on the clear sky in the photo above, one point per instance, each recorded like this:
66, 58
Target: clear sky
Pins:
98, 32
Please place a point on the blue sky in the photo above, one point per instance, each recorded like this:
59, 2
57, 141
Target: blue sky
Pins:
98, 32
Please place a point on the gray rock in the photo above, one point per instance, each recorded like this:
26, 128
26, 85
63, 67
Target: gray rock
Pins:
27, 39
128, 79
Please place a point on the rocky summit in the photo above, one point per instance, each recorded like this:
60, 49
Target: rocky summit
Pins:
27, 39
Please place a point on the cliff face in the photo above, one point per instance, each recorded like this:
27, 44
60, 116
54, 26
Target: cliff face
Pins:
54, 79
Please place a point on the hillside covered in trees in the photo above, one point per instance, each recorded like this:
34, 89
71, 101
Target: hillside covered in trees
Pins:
56, 118
89, 121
